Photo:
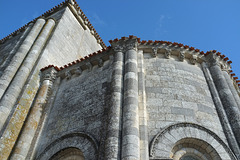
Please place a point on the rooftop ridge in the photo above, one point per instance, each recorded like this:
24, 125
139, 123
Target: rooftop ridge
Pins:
52, 10
223, 57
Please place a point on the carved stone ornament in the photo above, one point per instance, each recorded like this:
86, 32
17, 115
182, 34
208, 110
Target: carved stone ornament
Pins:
154, 51
225, 67
167, 54
118, 48
78, 71
68, 74
100, 62
131, 46
181, 56
193, 59
213, 60
49, 74
89, 65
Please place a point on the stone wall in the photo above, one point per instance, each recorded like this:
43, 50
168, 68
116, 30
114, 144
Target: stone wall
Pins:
80, 106
9, 48
178, 92
70, 41
37, 48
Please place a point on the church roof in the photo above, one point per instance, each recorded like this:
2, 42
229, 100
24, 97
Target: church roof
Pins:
53, 10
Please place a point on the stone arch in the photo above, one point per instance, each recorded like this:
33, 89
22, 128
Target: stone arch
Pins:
81, 141
166, 143
68, 154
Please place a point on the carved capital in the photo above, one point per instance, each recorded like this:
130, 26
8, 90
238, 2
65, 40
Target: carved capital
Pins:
118, 48
154, 51
131, 46
49, 74
213, 60
181, 56
167, 54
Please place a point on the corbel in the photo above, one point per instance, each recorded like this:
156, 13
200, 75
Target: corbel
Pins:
68, 74
167, 54
181, 56
154, 51
193, 59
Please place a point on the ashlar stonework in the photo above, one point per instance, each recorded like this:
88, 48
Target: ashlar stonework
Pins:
133, 100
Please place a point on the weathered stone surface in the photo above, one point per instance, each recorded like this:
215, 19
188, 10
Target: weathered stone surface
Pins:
131, 101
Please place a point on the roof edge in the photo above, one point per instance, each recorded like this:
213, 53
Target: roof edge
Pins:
66, 3
150, 42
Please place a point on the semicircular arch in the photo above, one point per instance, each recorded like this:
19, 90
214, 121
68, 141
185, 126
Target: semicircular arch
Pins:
163, 143
82, 141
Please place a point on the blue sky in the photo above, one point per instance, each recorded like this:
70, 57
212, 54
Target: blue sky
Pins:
203, 24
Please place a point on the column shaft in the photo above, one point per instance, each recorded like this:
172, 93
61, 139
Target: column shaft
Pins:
24, 142
130, 130
18, 58
227, 100
112, 143
11, 54
12, 93
221, 112
232, 88
143, 127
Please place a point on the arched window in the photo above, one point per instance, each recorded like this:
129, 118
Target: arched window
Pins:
189, 157
193, 149
68, 154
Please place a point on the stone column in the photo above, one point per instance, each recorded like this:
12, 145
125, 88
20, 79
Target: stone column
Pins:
130, 128
143, 127
16, 61
221, 112
25, 139
232, 88
226, 96
13, 91
113, 140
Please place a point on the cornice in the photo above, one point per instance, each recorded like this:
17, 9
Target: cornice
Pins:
154, 47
